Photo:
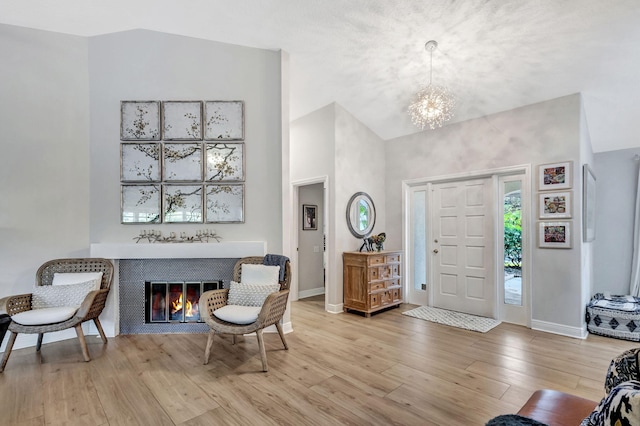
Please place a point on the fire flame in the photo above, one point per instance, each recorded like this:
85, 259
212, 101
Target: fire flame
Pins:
189, 309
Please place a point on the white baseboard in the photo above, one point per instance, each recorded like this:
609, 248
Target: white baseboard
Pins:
311, 292
335, 309
564, 330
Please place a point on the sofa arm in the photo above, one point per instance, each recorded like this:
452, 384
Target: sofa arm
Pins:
557, 408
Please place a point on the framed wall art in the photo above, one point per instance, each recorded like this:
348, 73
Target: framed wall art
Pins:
554, 235
225, 203
182, 120
224, 120
140, 162
182, 203
555, 176
182, 162
588, 204
309, 217
224, 162
140, 120
140, 204
555, 205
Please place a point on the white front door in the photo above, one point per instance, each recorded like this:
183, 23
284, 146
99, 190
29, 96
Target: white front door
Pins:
463, 254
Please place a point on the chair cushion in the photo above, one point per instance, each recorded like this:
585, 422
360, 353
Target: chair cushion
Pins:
51, 296
238, 314
259, 274
620, 407
45, 315
66, 278
243, 294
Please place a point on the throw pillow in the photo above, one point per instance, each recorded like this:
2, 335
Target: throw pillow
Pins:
620, 407
51, 296
623, 368
44, 316
259, 274
238, 314
244, 294
66, 278
513, 420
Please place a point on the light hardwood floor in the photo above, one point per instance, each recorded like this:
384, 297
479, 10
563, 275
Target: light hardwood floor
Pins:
340, 369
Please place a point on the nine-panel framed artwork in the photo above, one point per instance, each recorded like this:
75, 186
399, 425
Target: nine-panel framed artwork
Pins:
182, 162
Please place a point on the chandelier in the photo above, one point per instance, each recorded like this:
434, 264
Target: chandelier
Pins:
433, 105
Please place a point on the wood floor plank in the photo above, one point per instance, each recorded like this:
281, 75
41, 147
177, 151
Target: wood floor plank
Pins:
339, 369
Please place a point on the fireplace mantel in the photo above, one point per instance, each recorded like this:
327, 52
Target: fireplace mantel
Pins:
231, 249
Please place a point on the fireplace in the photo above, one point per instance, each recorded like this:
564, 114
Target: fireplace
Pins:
175, 301
146, 284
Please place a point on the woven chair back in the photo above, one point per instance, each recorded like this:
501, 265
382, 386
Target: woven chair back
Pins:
258, 260
44, 275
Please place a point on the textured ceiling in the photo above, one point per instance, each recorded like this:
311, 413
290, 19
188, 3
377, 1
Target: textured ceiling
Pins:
368, 55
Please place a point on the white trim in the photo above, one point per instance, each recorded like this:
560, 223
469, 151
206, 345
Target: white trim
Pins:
311, 292
295, 224
335, 309
501, 171
563, 330
231, 249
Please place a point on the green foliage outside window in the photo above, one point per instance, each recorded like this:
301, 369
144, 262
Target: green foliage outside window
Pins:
512, 232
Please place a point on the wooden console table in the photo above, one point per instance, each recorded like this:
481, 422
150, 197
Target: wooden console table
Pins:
372, 280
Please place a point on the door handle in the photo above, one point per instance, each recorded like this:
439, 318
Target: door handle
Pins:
435, 251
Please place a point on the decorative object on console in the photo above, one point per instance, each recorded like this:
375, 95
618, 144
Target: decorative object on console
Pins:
155, 236
378, 241
432, 105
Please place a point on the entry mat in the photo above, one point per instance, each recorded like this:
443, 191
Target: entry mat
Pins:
454, 319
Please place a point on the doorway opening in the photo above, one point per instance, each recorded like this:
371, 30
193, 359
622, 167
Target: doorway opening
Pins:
466, 243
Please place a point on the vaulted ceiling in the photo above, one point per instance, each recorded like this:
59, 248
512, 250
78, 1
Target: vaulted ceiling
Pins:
369, 56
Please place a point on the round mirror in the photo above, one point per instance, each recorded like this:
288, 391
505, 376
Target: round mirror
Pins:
361, 215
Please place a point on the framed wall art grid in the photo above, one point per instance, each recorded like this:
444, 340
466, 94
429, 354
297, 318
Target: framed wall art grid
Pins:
168, 173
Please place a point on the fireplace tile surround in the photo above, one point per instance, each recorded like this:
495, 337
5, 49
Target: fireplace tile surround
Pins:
137, 263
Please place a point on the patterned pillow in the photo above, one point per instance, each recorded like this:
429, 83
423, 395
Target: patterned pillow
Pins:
66, 278
243, 294
53, 296
623, 368
620, 407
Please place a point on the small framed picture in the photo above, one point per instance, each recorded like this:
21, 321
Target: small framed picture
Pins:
554, 176
309, 217
554, 235
182, 120
140, 120
555, 205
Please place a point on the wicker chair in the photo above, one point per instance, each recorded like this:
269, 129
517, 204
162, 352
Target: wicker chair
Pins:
271, 313
89, 310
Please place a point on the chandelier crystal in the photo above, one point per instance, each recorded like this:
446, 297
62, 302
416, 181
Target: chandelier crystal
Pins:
433, 105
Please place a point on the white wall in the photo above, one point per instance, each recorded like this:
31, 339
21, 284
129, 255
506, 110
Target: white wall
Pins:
616, 185
44, 166
331, 142
146, 65
537, 134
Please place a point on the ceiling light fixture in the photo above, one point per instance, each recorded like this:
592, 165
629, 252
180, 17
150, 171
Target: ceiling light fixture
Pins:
433, 105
